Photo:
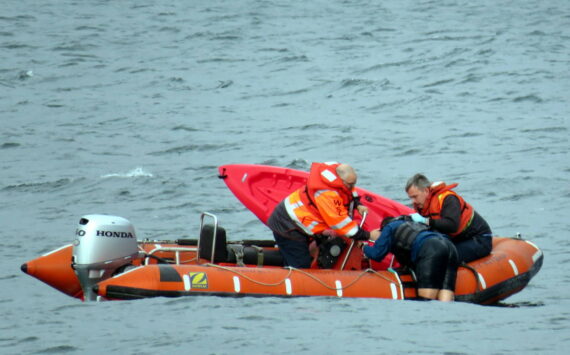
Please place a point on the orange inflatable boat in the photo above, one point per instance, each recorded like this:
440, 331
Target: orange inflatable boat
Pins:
107, 263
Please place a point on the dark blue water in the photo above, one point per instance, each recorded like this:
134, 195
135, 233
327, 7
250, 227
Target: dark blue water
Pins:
127, 108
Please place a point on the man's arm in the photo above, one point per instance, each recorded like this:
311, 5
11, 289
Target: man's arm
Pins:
381, 245
449, 216
335, 214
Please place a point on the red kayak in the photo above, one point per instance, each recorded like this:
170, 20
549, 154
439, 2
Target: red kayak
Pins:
261, 187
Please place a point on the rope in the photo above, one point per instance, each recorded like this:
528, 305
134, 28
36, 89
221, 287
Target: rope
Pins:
380, 275
249, 278
189, 260
291, 269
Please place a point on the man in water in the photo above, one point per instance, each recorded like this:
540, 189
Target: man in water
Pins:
430, 254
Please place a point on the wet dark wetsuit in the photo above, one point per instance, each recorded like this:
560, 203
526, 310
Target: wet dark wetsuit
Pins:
436, 264
432, 256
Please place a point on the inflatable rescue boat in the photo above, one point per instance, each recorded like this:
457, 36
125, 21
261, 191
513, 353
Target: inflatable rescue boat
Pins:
107, 262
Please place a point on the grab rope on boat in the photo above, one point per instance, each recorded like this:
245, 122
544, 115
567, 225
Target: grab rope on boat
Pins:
249, 278
291, 269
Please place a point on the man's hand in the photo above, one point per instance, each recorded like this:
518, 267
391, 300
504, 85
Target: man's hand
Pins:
374, 234
329, 233
362, 209
416, 217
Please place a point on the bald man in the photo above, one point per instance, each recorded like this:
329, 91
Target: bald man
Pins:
323, 206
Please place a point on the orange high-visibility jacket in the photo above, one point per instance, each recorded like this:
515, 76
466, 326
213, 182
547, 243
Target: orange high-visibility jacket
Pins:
323, 203
434, 203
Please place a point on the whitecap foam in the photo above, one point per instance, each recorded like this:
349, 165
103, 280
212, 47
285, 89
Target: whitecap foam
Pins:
136, 172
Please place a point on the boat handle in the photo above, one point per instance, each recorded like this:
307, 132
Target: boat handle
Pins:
352, 242
202, 216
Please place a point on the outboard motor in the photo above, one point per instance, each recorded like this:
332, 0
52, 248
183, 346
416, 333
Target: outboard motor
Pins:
103, 244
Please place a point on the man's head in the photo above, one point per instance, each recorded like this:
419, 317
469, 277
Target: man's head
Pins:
386, 220
417, 188
347, 174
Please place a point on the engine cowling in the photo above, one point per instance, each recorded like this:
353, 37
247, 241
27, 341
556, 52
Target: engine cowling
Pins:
103, 244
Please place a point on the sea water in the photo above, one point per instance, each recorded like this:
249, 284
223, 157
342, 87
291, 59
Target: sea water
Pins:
128, 108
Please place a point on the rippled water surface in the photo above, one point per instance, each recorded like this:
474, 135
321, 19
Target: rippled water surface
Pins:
128, 107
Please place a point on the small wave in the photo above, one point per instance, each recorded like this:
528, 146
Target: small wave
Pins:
522, 195
224, 84
294, 58
292, 92
169, 29
537, 33
471, 78
225, 38
192, 148
408, 152
384, 29
69, 306
28, 339
355, 82
89, 28
17, 18
137, 172
315, 126
49, 186
219, 60
382, 66
185, 128
17, 45
271, 162
439, 82
74, 46
255, 317
279, 50
361, 84
524, 304
529, 98
25, 74
58, 349
299, 164
464, 135
9, 145
54, 105
545, 129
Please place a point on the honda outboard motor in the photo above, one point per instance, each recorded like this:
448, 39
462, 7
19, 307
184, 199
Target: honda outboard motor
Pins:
103, 244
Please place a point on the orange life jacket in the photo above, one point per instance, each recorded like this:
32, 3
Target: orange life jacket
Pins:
323, 203
434, 203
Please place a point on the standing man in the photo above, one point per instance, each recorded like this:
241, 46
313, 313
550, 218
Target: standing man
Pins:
445, 211
323, 206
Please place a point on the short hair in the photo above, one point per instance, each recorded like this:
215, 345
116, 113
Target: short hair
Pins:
386, 220
419, 181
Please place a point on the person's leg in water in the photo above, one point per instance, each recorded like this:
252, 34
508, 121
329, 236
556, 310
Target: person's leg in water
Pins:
447, 292
431, 269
